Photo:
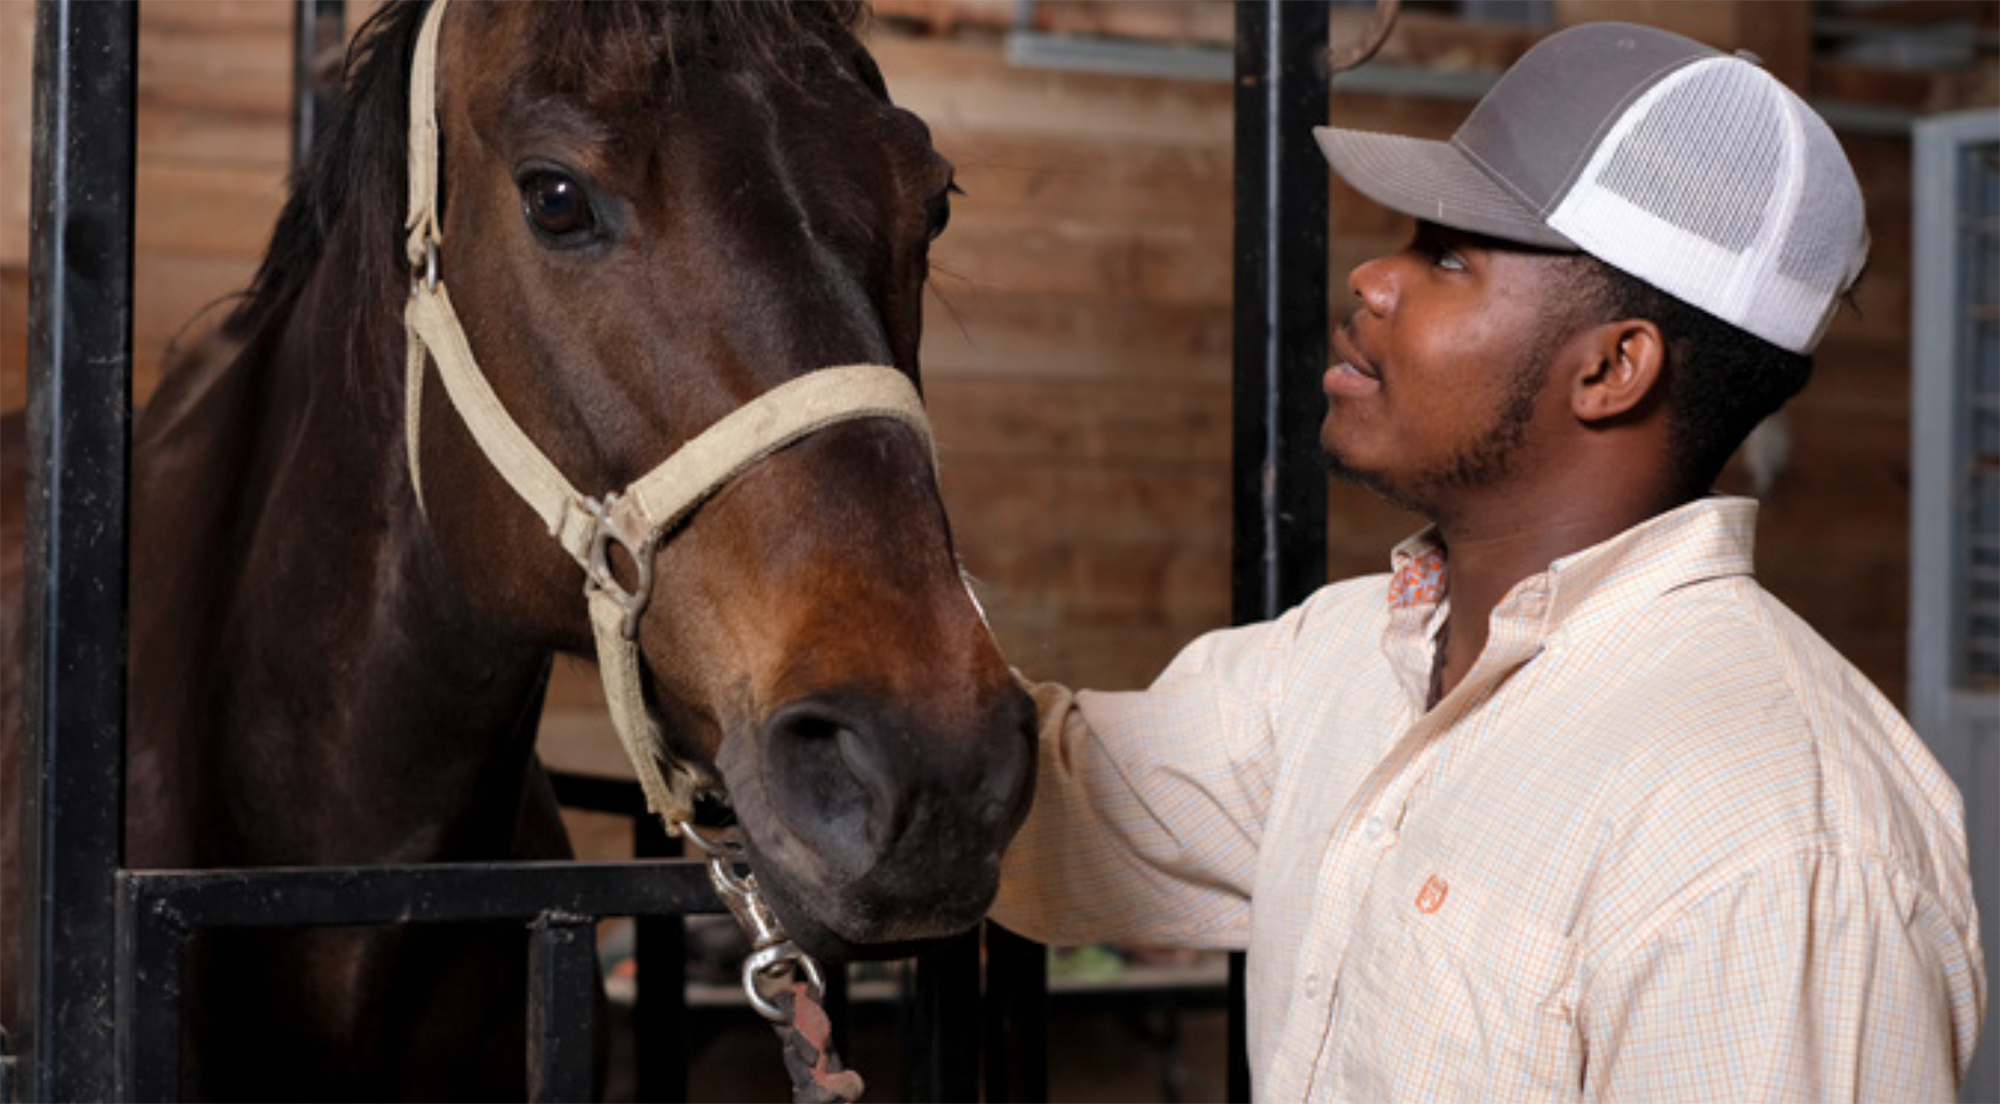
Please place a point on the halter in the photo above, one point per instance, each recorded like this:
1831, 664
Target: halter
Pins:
638, 517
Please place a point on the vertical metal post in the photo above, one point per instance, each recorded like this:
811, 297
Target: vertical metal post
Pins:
940, 1026
318, 26
152, 958
1279, 554
660, 1024
79, 416
1017, 1017
562, 991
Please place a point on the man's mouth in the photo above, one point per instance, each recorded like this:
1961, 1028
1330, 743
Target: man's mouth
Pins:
1351, 374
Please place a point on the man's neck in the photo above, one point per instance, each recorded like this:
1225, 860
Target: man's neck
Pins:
1485, 559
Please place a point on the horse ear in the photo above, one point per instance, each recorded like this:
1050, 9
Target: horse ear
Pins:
871, 73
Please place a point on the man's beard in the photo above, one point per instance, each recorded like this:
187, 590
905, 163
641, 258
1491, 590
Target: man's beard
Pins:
1482, 462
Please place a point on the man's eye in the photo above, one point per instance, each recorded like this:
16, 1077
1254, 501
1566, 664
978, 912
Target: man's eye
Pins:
1447, 259
556, 205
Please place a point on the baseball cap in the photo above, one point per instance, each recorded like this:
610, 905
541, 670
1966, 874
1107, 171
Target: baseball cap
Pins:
1693, 170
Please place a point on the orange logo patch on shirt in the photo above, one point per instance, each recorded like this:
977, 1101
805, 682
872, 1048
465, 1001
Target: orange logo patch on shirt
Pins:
1430, 898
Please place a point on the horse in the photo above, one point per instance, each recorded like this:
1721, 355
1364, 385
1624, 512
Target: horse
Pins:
342, 614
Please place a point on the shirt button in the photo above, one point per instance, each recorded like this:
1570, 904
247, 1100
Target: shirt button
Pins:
1312, 985
1371, 829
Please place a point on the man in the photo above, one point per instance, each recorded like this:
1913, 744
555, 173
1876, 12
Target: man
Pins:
1566, 805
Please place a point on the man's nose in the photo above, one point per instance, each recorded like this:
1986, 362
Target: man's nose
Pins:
1373, 283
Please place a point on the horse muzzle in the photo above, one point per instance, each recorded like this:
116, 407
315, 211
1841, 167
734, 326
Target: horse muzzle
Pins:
872, 833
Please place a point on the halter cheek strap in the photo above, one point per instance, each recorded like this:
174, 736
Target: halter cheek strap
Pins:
637, 518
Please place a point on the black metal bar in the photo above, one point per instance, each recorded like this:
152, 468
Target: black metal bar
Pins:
838, 1004
1016, 1017
431, 894
79, 417
159, 910
562, 994
620, 796
1279, 554
319, 28
660, 1009
10, 1066
152, 951
939, 1033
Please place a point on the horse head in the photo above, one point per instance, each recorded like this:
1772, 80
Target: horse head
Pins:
649, 217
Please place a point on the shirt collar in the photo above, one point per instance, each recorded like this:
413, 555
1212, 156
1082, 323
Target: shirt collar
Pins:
1705, 539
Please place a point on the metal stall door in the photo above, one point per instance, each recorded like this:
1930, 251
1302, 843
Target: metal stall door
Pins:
1955, 492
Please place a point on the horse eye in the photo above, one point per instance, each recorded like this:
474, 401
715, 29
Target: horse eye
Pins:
938, 210
555, 204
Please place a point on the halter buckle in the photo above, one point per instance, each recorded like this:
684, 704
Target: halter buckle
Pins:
605, 533
426, 274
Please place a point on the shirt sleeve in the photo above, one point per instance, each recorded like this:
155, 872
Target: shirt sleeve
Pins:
1149, 804
1817, 975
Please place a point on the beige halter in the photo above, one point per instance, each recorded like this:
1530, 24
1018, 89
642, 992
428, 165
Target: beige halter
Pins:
636, 518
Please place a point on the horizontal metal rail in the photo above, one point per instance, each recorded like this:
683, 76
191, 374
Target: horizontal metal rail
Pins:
559, 902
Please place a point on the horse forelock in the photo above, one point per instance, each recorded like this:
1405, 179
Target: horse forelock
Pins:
347, 203
583, 46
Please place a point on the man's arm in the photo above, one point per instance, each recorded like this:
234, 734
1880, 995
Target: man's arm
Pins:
1149, 804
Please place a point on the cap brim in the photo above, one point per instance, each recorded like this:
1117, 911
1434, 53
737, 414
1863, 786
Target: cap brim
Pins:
1435, 182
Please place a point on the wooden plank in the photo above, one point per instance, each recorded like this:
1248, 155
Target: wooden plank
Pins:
1177, 21
1127, 421
1110, 182
1777, 31
197, 210
963, 89
985, 331
1419, 38
177, 298
1107, 657
1162, 262
994, 505
13, 337
226, 55
17, 69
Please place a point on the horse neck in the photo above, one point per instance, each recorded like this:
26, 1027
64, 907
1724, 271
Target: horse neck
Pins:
304, 674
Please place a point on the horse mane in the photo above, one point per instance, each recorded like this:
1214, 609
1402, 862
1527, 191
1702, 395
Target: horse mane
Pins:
347, 203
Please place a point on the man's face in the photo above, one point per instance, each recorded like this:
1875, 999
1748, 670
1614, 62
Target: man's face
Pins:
1437, 375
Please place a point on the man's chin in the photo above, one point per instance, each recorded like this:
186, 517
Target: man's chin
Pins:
1339, 467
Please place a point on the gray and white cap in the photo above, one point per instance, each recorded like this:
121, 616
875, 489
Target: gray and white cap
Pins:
1693, 170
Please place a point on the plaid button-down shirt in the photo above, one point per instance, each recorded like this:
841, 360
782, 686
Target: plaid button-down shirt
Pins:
1661, 842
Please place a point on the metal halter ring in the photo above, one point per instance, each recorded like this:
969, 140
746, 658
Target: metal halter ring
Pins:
775, 964
602, 536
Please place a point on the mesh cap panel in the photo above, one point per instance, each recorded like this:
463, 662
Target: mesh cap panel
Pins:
1721, 188
1706, 158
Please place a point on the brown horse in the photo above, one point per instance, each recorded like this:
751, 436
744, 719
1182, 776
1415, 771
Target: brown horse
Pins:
655, 214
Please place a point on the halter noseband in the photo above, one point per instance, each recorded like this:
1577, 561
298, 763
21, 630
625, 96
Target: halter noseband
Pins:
636, 518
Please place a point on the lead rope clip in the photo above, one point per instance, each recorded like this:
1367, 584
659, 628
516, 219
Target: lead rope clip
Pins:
774, 959
792, 977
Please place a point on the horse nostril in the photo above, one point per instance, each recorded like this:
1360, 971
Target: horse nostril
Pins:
834, 778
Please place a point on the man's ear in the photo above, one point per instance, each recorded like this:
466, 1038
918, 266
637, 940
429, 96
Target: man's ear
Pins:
1621, 371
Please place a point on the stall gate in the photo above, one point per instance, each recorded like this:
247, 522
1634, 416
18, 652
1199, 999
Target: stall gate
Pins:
103, 945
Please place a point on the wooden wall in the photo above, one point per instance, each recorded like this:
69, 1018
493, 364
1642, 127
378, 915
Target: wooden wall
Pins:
1078, 334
